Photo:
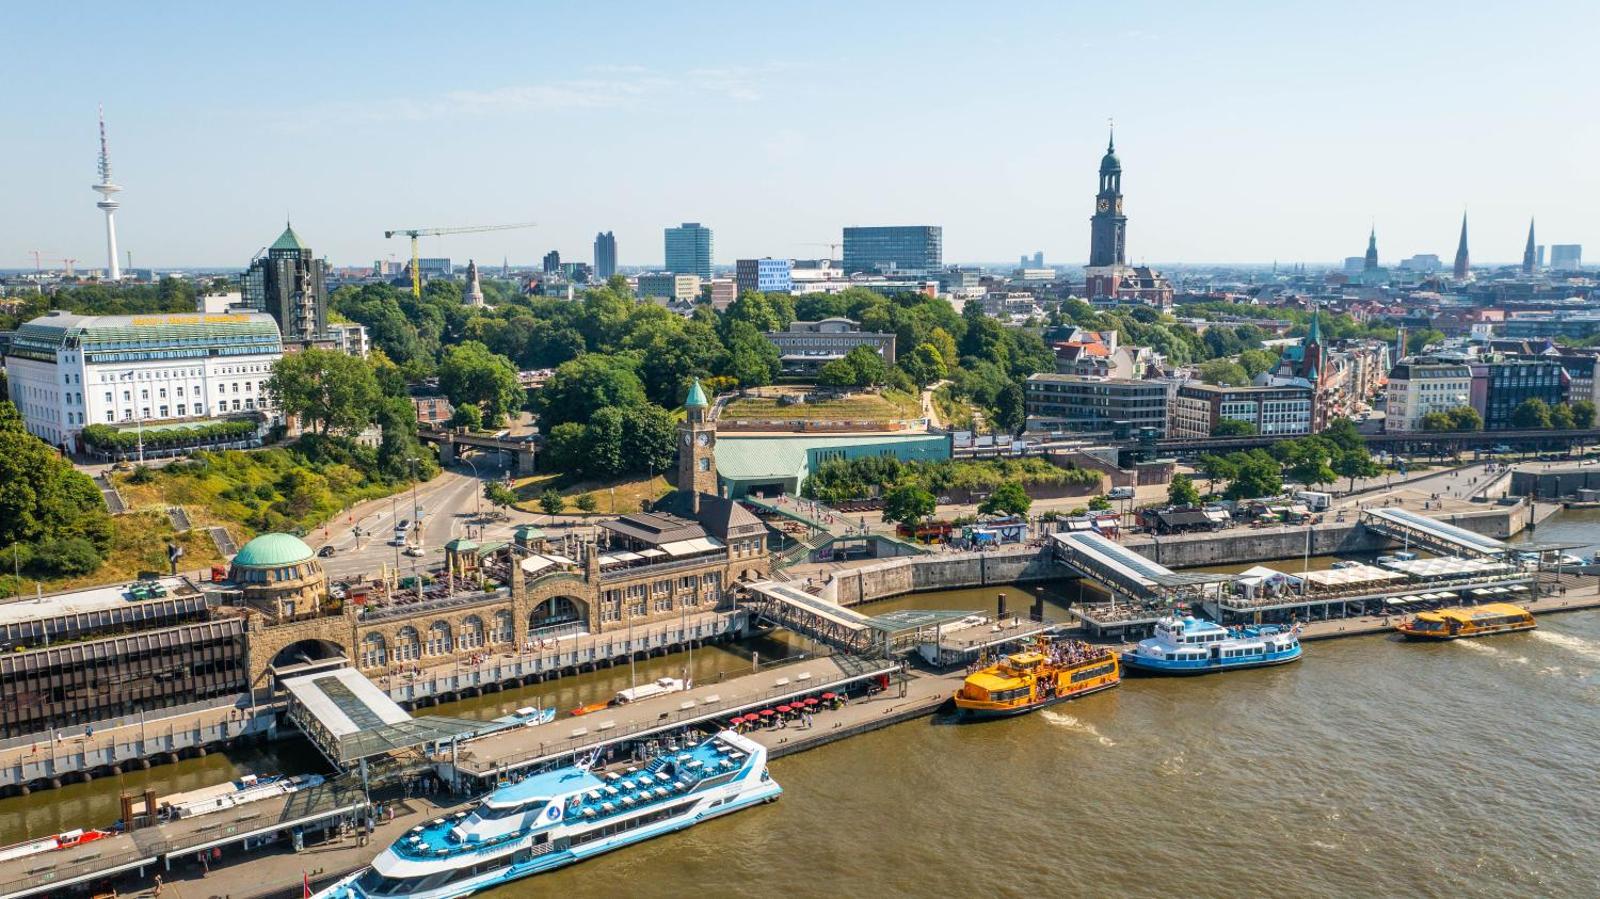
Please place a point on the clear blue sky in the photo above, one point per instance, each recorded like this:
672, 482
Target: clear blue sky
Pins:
1248, 132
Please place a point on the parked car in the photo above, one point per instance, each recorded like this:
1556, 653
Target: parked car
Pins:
326, 551
403, 524
414, 551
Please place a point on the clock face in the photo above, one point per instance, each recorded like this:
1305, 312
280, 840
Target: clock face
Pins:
686, 438
702, 438
1103, 205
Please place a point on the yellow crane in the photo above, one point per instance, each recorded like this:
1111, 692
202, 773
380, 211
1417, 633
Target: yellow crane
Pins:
416, 256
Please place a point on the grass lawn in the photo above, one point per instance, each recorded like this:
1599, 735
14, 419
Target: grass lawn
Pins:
891, 405
139, 543
626, 493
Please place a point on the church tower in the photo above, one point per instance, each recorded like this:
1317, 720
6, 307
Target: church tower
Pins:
1529, 254
1463, 261
697, 460
1108, 227
1372, 250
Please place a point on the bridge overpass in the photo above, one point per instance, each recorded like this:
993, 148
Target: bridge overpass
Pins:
451, 444
1402, 442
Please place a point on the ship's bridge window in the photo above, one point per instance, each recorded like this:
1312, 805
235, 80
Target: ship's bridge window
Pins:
486, 813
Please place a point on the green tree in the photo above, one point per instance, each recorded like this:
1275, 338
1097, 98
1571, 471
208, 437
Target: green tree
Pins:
565, 448
581, 387
1561, 418
649, 438
1354, 464
1254, 362
924, 365
1099, 503
467, 415
1181, 491
586, 502
332, 391
1437, 421
839, 373
1007, 499
1531, 413
1009, 410
1256, 474
1343, 433
1224, 373
1233, 427
1216, 468
1417, 340
499, 495
552, 503
908, 505
470, 373
1465, 418
1583, 414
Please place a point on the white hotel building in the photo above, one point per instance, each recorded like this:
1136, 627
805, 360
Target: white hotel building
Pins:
67, 371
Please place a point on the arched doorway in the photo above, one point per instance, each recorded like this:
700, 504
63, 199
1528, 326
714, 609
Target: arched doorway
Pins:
374, 651
308, 653
557, 612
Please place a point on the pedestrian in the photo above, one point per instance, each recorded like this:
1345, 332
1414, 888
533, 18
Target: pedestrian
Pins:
157, 891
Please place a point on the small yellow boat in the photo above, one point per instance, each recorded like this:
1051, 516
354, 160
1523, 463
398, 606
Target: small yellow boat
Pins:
1468, 621
1024, 681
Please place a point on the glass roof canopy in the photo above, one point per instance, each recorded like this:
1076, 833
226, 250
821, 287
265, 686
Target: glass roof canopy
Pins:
1122, 568
348, 718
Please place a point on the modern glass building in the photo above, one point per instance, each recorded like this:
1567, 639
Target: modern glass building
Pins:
1511, 382
765, 275
289, 283
918, 248
689, 250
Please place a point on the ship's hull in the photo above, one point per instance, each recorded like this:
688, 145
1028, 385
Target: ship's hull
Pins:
972, 713
1441, 636
766, 792
1133, 664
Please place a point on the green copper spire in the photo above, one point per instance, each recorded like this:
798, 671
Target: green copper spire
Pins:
697, 397
288, 240
1314, 334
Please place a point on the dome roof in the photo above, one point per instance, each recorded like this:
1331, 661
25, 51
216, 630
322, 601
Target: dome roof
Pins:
271, 550
1110, 163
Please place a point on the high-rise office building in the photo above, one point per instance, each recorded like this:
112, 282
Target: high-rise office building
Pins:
552, 262
1566, 257
891, 248
605, 255
688, 250
289, 284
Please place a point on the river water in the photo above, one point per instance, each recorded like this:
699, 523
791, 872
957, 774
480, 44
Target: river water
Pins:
1371, 768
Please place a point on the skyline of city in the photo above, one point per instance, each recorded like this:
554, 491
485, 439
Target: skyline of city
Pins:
1208, 180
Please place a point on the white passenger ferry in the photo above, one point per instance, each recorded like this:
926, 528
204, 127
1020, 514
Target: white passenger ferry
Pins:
1196, 646
553, 819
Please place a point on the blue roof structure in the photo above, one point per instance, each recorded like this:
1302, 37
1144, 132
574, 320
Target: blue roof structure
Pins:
544, 786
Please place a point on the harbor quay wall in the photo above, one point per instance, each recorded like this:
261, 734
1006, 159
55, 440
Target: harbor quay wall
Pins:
954, 571
945, 571
1563, 483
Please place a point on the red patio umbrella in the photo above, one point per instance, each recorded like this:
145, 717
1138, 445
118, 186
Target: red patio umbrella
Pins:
827, 696
811, 700
783, 709
767, 713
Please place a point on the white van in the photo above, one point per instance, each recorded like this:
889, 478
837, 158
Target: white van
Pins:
1316, 502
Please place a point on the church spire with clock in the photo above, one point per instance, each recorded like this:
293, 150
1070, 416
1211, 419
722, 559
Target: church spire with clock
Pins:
1108, 227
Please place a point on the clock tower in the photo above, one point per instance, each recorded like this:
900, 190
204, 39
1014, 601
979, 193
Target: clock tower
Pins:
1108, 226
697, 446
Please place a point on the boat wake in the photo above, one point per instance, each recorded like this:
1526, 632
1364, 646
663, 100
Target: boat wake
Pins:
1586, 648
1071, 722
1477, 646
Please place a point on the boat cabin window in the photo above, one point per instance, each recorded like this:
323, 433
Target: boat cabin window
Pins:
485, 813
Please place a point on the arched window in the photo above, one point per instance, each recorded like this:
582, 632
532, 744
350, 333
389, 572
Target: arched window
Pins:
439, 638
408, 645
503, 631
471, 636
374, 651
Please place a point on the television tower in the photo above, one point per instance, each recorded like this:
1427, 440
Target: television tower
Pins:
108, 205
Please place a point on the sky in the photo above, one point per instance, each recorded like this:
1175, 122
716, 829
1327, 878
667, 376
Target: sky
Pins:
1248, 132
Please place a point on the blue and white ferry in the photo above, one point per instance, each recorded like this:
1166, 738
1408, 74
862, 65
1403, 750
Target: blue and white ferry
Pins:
1191, 645
554, 819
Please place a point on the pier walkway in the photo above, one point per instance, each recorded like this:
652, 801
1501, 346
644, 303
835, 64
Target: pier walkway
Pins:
1411, 528
494, 755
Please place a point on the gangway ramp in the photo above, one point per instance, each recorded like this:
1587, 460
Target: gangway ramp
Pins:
1412, 528
799, 611
1125, 571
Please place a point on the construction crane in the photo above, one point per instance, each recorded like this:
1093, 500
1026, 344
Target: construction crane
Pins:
37, 268
832, 247
69, 263
416, 256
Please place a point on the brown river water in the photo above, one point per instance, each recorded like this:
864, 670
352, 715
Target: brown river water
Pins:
1371, 768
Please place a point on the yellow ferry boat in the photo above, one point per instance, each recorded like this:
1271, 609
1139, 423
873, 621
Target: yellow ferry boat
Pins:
1024, 681
1468, 621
